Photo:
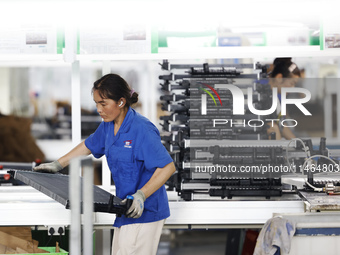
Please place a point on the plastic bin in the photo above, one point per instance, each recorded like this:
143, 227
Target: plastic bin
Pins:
52, 251
49, 249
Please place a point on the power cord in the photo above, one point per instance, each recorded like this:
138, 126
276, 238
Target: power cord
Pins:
61, 232
51, 231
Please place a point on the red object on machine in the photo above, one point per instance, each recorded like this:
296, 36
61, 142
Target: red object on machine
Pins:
7, 177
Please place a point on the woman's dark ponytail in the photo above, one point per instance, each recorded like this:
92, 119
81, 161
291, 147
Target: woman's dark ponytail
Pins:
114, 87
286, 67
134, 98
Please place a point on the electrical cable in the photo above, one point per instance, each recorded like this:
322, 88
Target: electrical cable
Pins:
304, 165
287, 156
306, 161
51, 231
314, 188
60, 231
318, 156
60, 241
49, 240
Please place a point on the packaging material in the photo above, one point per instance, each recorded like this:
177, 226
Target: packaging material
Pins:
18, 240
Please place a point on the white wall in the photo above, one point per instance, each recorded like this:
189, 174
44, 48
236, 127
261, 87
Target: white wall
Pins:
5, 106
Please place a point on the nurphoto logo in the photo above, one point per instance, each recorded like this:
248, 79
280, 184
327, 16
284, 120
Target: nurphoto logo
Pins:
238, 100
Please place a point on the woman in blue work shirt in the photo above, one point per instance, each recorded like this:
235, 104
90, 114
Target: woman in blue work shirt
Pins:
284, 73
139, 163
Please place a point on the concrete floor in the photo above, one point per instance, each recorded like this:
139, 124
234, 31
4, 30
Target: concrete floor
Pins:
198, 242
207, 242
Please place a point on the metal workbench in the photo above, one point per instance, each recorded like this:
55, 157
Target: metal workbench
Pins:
23, 205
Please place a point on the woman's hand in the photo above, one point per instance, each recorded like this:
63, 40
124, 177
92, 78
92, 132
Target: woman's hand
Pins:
52, 167
137, 207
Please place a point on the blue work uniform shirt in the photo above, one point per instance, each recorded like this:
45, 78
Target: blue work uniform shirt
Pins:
133, 155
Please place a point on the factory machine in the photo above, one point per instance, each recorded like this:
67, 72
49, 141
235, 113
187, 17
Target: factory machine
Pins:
216, 129
216, 126
56, 186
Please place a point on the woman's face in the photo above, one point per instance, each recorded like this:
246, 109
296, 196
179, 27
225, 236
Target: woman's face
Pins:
107, 108
280, 82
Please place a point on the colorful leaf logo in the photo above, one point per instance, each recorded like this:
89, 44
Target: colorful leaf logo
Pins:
213, 90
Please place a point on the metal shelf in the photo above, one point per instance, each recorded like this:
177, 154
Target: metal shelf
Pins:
179, 54
220, 53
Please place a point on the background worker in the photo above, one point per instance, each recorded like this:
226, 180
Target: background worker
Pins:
284, 73
138, 161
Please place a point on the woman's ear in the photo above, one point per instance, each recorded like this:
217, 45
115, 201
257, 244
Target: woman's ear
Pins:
121, 102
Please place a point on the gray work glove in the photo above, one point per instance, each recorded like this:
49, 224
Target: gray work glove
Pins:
137, 207
52, 167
